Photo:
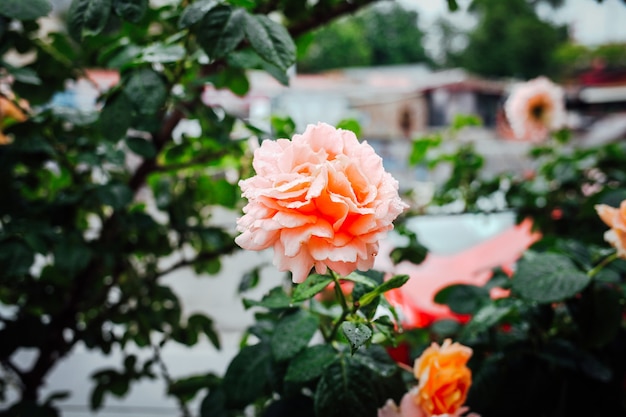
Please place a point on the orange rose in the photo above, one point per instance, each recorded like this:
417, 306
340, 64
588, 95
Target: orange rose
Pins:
9, 111
615, 218
444, 378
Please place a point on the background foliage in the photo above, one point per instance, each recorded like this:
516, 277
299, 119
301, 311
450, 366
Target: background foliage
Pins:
99, 205
555, 345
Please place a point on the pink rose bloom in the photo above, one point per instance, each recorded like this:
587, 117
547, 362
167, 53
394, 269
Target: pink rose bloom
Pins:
535, 108
615, 218
322, 200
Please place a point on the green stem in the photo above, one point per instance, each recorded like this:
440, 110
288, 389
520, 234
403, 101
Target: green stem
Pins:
592, 272
344, 306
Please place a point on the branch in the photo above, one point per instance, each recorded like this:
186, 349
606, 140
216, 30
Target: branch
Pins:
189, 164
203, 256
323, 14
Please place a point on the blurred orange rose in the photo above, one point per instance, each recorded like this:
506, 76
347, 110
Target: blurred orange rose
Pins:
444, 378
9, 111
615, 218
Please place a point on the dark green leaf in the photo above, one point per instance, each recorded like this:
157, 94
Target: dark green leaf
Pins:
249, 280
276, 298
162, 53
16, 257
361, 279
114, 195
292, 334
311, 286
445, 327
214, 404
221, 30
205, 325
548, 277
270, 40
394, 282
247, 375
25, 9
88, 17
24, 75
349, 388
187, 388
310, 363
377, 360
357, 334
487, 316
195, 12
462, 298
141, 147
72, 257
116, 117
452, 5
146, 90
131, 10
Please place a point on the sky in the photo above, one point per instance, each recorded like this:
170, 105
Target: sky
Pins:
591, 23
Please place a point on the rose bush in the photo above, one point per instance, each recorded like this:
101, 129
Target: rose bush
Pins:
562, 324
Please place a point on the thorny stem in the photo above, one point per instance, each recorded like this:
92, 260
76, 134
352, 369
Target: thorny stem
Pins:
592, 272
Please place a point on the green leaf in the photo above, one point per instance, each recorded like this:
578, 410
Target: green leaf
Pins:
247, 375
311, 286
116, 117
349, 388
214, 404
187, 388
204, 324
394, 282
357, 334
420, 148
310, 363
352, 125
147, 91
275, 299
445, 327
23, 74
414, 252
221, 30
249, 280
141, 147
114, 195
16, 257
548, 277
361, 279
88, 17
72, 257
462, 298
453, 6
487, 316
131, 10
162, 53
25, 9
376, 358
270, 40
292, 334
195, 12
